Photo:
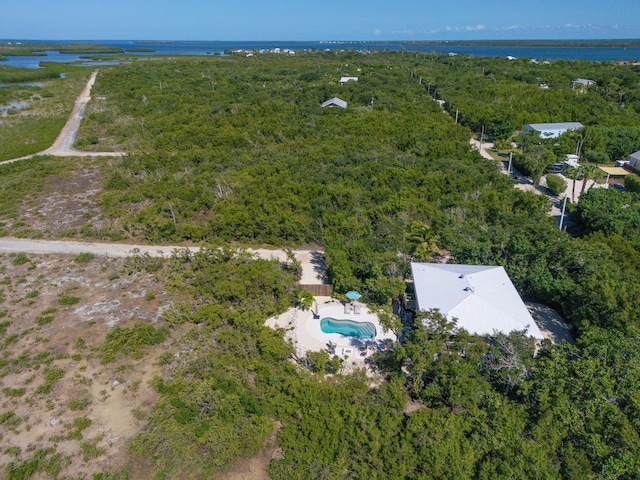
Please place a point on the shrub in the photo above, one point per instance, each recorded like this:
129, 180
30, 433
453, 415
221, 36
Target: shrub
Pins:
131, 340
44, 319
78, 404
14, 392
596, 157
632, 183
68, 300
556, 183
20, 259
90, 450
51, 376
84, 257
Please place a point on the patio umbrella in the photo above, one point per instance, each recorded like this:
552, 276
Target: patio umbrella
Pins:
352, 295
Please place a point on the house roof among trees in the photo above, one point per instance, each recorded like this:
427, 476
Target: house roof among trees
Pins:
335, 102
481, 297
544, 127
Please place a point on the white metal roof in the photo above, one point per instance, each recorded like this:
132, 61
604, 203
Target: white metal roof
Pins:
335, 101
545, 127
481, 297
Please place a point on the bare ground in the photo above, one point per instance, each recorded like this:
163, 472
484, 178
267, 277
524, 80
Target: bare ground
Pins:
42, 336
67, 202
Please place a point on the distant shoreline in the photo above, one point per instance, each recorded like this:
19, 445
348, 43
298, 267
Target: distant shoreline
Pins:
531, 43
18, 53
73, 46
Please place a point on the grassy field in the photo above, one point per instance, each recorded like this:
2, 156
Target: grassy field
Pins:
41, 110
34, 48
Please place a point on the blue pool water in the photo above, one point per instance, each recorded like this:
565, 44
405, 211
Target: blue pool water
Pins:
348, 328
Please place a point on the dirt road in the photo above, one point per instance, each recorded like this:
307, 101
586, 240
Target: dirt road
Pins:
481, 148
312, 261
63, 145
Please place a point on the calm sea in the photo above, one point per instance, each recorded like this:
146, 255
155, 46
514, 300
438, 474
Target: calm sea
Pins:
218, 47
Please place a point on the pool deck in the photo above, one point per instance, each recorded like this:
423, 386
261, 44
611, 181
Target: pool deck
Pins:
305, 332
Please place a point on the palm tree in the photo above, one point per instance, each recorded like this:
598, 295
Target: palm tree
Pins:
425, 241
590, 171
573, 173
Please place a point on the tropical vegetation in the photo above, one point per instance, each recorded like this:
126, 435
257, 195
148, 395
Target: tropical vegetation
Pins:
237, 149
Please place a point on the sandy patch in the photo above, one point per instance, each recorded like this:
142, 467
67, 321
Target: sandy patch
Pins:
550, 323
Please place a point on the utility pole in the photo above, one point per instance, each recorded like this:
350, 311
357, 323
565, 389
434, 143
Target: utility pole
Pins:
564, 205
456, 115
509, 167
481, 137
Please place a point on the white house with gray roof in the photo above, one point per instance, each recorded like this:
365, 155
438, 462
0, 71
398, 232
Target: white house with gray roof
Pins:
481, 298
551, 130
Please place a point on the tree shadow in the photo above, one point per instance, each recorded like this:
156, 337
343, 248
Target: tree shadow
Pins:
319, 265
367, 346
550, 323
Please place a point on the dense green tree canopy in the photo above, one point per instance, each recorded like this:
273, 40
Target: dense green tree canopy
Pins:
238, 149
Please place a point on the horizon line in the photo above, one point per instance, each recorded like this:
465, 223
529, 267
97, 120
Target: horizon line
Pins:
325, 40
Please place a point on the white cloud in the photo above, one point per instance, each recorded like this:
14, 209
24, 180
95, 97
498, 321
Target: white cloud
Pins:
377, 32
413, 33
468, 28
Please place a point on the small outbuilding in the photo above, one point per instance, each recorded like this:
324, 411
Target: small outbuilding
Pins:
335, 102
482, 298
551, 130
571, 160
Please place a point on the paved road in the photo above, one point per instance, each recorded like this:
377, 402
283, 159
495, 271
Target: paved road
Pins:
312, 261
63, 145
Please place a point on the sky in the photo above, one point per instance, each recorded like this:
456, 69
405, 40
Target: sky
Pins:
318, 20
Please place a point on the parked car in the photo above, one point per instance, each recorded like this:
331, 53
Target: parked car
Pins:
618, 187
555, 168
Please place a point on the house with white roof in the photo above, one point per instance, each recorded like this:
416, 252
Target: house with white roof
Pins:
584, 82
346, 79
551, 130
482, 298
335, 102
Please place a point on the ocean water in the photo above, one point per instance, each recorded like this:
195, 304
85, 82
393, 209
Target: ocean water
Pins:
219, 47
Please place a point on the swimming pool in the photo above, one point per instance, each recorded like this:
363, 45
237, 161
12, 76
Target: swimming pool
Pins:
348, 328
